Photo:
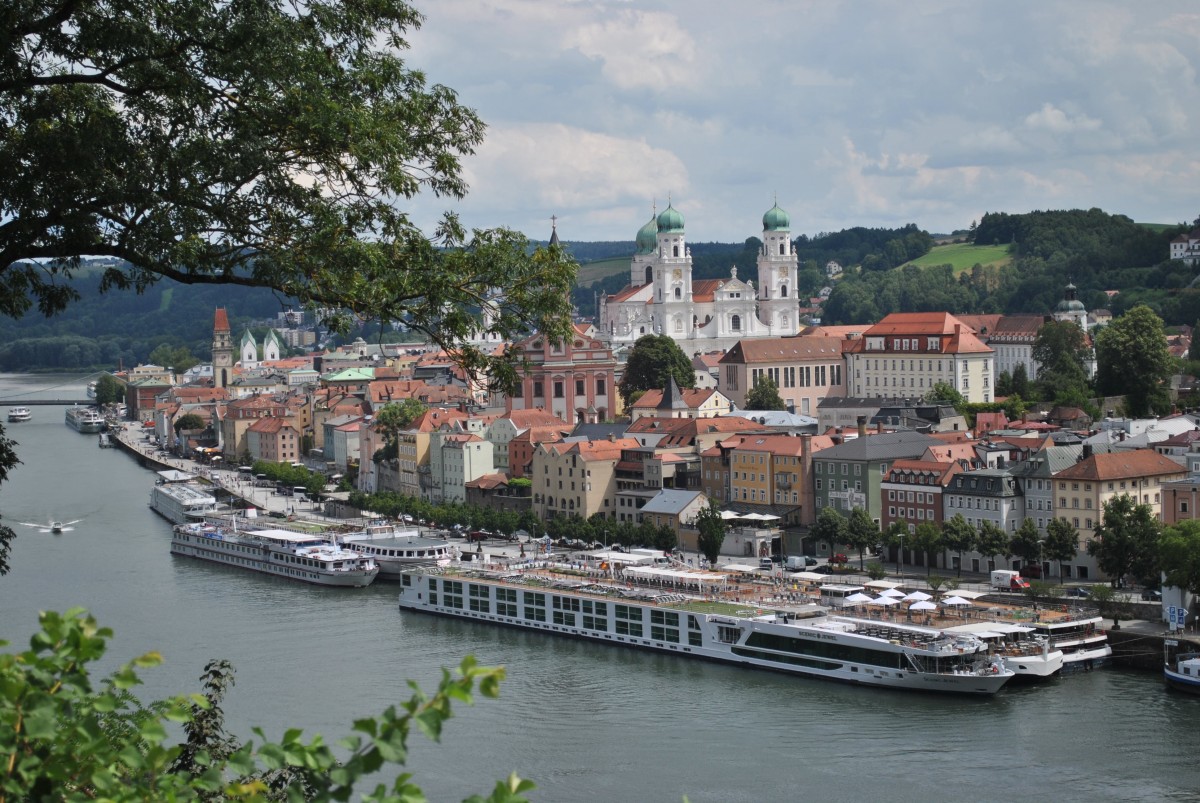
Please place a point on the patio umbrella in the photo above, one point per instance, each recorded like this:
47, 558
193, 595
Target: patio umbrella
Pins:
923, 605
891, 592
956, 601
917, 596
859, 598
884, 601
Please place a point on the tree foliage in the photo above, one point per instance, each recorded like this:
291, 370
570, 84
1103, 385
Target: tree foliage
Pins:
861, 532
764, 395
1025, 543
958, 536
1060, 350
256, 144
65, 739
1062, 542
1132, 361
1179, 555
109, 390
1126, 541
652, 361
392, 419
991, 541
831, 526
188, 422
711, 529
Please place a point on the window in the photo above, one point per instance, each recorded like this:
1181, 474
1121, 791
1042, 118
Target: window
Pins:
735, 323
537, 389
558, 389
601, 386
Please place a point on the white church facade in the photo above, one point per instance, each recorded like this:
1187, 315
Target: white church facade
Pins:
704, 314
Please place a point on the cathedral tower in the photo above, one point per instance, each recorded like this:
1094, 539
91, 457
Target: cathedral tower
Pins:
778, 306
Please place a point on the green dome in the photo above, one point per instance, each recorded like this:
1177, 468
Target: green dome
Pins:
669, 220
776, 220
647, 237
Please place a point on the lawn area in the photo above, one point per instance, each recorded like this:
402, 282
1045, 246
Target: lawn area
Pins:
964, 256
600, 269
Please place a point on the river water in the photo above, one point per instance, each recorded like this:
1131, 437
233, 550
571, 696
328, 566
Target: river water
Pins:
585, 722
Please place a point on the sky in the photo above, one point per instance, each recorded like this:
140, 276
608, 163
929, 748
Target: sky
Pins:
847, 114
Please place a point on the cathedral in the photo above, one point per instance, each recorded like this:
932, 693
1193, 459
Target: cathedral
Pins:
705, 314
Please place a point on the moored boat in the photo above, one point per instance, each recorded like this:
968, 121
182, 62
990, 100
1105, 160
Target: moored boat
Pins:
182, 501
19, 414
282, 553
693, 618
1024, 651
1182, 671
397, 550
84, 419
1082, 639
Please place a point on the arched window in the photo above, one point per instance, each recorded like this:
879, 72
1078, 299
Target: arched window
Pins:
675, 250
735, 323
649, 274
783, 291
782, 249
678, 323
678, 293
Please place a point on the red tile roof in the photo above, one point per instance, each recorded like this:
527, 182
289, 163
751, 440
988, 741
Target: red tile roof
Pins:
1121, 465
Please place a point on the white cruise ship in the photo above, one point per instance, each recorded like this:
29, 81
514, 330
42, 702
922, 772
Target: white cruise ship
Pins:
282, 553
397, 550
84, 419
695, 621
183, 502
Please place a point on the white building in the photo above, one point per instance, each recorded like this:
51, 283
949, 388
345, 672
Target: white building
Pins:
704, 314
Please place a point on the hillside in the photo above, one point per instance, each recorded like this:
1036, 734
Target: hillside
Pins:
964, 256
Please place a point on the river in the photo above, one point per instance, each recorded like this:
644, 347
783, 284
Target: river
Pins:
586, 722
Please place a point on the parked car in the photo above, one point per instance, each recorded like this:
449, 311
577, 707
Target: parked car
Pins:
1078, 591
1151, 595
838, 558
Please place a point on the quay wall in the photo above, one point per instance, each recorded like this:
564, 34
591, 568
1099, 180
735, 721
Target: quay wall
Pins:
1133, 648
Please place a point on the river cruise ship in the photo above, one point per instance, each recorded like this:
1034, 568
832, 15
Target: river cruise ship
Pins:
180, 502
19, 414
283, 553
694, 613
85, 419
396, 550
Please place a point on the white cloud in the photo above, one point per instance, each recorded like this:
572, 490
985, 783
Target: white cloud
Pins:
1055, 120
638, 49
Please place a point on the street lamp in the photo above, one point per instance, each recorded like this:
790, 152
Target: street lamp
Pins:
900, 557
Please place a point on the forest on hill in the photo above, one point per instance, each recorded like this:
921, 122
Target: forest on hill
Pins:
1096, 251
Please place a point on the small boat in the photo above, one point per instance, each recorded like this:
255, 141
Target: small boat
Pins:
19, 414
1183, 670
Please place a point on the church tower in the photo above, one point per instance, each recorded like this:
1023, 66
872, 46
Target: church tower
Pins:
222, 350
673, 314
778, 306
249, 351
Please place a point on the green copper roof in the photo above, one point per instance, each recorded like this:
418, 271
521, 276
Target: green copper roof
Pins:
776, 220
670, 221
647, 237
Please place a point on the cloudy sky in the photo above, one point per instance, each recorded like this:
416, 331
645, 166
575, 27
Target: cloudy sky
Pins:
854, 113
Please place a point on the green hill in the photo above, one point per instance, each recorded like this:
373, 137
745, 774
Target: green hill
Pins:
964, 256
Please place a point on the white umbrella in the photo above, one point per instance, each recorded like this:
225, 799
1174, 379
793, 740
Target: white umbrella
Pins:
726, 515
891, 592
956, 601
859, 598
923, 605
884, 601
917, 596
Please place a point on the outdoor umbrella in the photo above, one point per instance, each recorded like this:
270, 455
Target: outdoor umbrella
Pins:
956, 601
859, 598
891, 592
917, 596
923, 605
884, 601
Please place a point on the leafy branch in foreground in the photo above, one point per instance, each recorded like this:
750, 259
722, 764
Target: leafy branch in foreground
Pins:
62, 740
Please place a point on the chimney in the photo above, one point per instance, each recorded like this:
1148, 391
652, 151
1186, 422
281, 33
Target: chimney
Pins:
862, 426
1087, 451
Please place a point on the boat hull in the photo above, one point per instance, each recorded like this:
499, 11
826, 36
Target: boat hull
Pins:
1181, 682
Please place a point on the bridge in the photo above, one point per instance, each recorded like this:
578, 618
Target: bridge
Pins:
45, 402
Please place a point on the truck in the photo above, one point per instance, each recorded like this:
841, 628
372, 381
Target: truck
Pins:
1008, 580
